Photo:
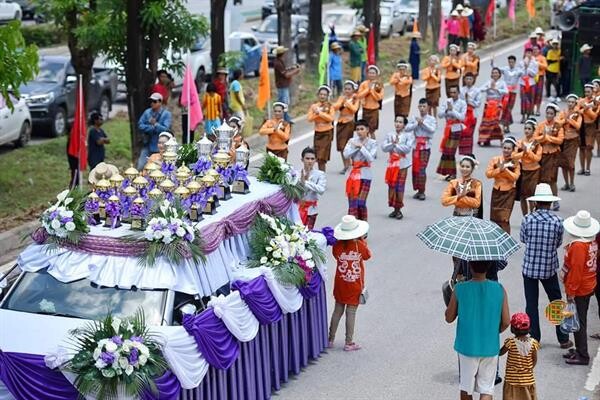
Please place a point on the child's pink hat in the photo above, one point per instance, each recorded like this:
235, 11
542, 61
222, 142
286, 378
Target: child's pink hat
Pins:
520, 321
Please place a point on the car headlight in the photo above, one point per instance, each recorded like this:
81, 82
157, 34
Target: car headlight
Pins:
40, 99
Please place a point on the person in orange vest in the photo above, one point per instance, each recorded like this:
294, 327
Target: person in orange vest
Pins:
370, 92
347, 105
589, 109
432, 75
278, 131
402, 81
529, 153
452, 64
470, 61
322, 115
538, 89
550, 135
572, 119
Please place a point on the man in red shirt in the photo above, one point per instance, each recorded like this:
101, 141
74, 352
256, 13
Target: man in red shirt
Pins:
579, 277
163, 85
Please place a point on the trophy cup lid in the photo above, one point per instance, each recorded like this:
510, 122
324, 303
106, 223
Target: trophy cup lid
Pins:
129, 191
194, 187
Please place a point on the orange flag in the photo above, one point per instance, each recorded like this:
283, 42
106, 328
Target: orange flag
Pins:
264, 83
531, 8
415, 25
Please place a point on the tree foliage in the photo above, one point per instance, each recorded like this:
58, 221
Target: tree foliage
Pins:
18, 62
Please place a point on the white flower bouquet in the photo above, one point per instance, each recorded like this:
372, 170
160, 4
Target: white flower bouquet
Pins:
66, 219
277, 171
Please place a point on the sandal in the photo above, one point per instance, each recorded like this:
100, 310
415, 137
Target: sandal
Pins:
393, 214
351, 347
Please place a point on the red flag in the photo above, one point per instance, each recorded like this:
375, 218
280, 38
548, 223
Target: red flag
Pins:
489, 14
78, 136
371, 47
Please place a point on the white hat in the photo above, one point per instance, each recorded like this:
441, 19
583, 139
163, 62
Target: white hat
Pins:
539, 31
454, 13
585, 47
543, 193
156, 96
467, 12
166, 134
532, 35
555, 40
350, 228
459, 7
582, 225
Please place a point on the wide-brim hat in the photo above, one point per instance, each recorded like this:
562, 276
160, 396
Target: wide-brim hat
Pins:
335, 46
102, 171
582, 225
350, 228
454, 13
223, 70
585, 47
539, 31
459, 7
532, 35
362, 28
467, 12
356, 32
280, 50
543, 193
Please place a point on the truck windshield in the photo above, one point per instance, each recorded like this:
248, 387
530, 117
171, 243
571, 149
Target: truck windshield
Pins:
40, 293
50, 72
269, 25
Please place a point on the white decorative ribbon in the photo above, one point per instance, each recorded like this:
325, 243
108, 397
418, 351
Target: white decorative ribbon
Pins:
236, 315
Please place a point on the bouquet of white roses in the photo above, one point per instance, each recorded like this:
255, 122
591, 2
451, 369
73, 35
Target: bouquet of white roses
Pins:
285, 247
277, 171
66, 219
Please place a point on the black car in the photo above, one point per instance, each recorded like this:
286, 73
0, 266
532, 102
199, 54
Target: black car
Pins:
51, 95
27, 8
298, 7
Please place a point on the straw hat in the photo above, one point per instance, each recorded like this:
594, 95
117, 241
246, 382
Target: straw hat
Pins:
280, 50
335, 46
543, 194
356, 32
467, 12
454, 13
222, 70
585, 47
102, 171
362, 28
539, 31
582, 225
532, 35
350, 228
555, 40
416, 35
459, 7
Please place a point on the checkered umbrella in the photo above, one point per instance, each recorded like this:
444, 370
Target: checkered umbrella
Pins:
469, 238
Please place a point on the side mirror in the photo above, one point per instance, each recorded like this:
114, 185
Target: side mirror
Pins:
71, 79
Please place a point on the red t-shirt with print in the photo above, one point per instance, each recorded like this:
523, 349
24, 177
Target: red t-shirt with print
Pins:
350, 270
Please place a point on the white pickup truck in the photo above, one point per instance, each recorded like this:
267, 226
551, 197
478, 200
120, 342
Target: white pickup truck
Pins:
10, 11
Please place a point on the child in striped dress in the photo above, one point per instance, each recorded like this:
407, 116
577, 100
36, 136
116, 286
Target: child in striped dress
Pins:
519, 381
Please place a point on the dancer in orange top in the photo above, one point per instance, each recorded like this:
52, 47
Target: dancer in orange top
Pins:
402, 81
432, 75
589, 109
470, 61
550, 135
464, 193
571, 119
452, 65
538, 89
370, 92
278, 131
322, 115
347, 105
529, 153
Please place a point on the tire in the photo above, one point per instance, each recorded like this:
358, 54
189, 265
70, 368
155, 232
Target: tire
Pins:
403, 31
59, 123
257, 73
24, 136
18, 16
104, 106
200, 78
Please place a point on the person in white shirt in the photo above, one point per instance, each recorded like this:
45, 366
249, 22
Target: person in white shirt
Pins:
315, 184
454, 110
472, 96
511, 75
528, 68
495, 89
399, 145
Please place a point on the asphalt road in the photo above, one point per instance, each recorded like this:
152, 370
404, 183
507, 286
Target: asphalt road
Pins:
407, 346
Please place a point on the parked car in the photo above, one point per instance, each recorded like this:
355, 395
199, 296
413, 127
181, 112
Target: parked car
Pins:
27, 8
198, 58
10, 11
267, 33
249, 46
15, 124
392, 19
410, 9
301, 7
344, 22
51, 95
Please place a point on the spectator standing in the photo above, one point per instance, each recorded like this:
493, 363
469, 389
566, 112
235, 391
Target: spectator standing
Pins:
363, 43
212, 105
153, 121
553, 58
481, 306
542, 232
237, 102
585, 64
163, 86
221, 87
97, 138
414, 57
453, 28
283, 78
464, 29
579, 277
356, 54
335, 69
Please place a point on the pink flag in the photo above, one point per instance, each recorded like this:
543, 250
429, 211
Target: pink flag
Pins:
511, 10
443, 39
189, 98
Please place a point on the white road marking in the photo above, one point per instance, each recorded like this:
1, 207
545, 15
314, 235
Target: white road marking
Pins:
593, 378
306, 135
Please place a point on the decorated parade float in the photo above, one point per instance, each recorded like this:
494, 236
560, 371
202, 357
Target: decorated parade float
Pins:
187, 280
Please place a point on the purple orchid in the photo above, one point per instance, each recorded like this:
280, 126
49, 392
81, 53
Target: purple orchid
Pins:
133, 356
107, 357
117, 340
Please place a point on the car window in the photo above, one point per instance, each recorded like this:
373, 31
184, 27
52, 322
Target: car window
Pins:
50, 72
198, 44
340, 19
385, 11
269, 25
41, 293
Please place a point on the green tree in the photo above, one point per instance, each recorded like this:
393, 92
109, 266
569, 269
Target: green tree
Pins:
18, 63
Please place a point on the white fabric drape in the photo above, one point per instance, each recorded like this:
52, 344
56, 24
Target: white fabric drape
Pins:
236, 315
288, 297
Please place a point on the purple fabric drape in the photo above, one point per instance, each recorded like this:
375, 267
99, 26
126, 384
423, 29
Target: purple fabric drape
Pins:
27, 377
168, 387
214, 340
241, 219
311, 289
260, 300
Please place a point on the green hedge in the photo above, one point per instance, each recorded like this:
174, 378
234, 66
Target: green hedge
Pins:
43, 35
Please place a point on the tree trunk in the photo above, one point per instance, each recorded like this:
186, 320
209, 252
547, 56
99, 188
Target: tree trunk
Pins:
217, 27
422, 18
284, 28
139, 79
82, 59
315, 34
436, 14
372, 16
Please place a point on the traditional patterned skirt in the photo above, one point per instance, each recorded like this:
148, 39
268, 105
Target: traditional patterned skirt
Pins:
357, 204
465, 145
508, 103
549, 167
538, 91
589, 135
527, 100
489, 129
433, 97
402, 105
419, 168
529, 180
447, 165
448, 83
343, 133
322, 144
307, 220
501, 207
279, 153
568, 153
372, 118
396, 189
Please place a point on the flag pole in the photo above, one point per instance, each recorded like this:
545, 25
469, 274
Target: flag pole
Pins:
81, 120
189, 88
494, 18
